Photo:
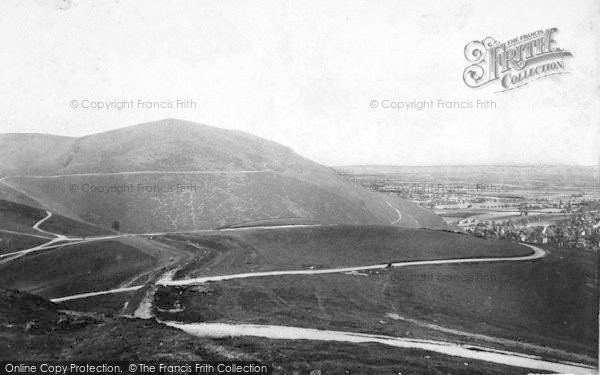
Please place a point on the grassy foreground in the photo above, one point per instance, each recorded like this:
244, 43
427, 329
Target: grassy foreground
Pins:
75, 269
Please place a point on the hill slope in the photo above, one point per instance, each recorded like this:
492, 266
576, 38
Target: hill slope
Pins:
33, 328
31, 154
176, 175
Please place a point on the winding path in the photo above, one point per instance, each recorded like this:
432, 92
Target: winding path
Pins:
36, 226
63, 241
59, 240
296, 333
221, 330
397, 211
537, 253
17, 254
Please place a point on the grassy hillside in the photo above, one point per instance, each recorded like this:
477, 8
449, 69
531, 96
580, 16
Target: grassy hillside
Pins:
75, 269
550, 303
32, 328
70, 227
13, 242
286, 185
19, 218
32, 154
337, 358
16, 218
210, 201
546, 303
329, 246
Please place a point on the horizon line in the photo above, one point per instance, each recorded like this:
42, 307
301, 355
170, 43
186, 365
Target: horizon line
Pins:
543, 164
507, 164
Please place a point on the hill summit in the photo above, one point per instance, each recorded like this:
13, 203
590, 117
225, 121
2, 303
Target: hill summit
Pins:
177, 175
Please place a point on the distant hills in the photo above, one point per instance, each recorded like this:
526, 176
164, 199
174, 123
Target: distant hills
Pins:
538, 175
174, 175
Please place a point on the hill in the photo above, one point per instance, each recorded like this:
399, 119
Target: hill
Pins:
31, 154
255, 250
17, 230
546, 306
174, 175
33, 328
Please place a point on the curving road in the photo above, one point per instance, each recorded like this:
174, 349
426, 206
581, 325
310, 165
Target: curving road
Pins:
36, 226
220, 330
296, 333
59, 240
17, 254
63, 241
536, 254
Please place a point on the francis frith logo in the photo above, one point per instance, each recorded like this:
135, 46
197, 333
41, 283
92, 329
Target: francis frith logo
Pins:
514, 63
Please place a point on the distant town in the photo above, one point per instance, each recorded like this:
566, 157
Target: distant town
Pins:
549, 213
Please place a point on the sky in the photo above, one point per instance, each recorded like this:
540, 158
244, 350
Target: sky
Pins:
305, 74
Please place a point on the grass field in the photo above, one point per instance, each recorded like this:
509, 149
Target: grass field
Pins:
75, 269
70, 227
13, 242
58, 335
549, 302
334, 358
110, 304
328, 246
32, 328
272, 222
19, 217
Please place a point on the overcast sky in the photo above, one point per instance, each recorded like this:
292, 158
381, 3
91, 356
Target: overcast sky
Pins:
303, 73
